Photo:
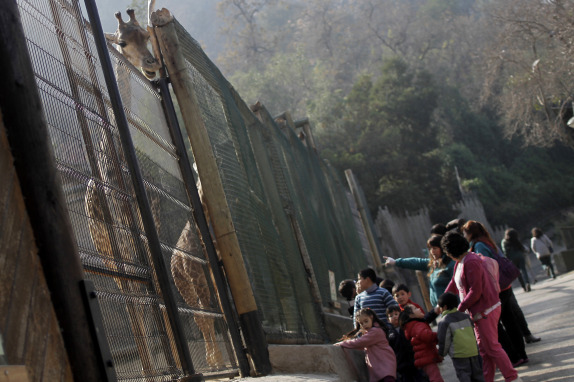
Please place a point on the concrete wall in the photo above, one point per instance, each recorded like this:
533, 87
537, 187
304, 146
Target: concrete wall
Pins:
348, 365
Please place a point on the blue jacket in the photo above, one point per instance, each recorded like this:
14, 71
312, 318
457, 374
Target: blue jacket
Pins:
438, 279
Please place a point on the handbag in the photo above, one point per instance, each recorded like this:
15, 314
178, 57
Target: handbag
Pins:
507, 271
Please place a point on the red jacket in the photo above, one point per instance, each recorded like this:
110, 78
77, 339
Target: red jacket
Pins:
412, 303
424, 342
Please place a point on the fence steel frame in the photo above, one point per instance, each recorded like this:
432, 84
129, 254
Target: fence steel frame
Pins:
141, 196
22, 113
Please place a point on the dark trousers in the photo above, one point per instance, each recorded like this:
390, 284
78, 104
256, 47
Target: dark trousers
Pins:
520, 263
468, 369
515, 325
547, 264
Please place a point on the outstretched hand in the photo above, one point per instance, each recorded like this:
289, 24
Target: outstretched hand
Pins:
389, 260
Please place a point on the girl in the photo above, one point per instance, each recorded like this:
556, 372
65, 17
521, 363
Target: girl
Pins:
423, 340
380, 357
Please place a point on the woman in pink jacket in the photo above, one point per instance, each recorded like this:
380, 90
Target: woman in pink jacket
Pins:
476, 283
380, 357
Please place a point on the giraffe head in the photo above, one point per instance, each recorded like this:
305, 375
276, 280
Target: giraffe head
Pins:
132, 40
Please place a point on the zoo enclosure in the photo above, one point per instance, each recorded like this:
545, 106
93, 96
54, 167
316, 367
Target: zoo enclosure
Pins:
289, 208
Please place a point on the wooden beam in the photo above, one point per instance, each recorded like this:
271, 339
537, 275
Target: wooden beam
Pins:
217, 206
16, 373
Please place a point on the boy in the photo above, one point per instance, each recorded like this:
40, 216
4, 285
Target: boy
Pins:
402, 295
456, 338
388, 285
406, 370
348, 290
371, 295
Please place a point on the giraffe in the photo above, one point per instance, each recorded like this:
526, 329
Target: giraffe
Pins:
191, 283
187, 271
104, 212
132, 41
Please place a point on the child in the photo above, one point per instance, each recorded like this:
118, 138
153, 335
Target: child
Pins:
388, 285
456, 337
406, 370
380, 357
402, 295
423, 341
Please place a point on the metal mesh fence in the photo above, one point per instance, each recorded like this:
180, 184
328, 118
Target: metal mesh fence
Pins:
290, 210
105, 216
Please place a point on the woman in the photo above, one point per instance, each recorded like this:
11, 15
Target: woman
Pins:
511, 315
478, 292
542, 247
439, 267
515, 251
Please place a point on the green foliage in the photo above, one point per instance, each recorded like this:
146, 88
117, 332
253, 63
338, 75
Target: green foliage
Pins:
401, 92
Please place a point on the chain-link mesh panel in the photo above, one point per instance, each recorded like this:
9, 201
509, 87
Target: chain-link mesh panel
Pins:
105, 215
293, 222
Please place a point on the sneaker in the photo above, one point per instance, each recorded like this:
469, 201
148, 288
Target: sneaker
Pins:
530, 339
518, 379
528, 289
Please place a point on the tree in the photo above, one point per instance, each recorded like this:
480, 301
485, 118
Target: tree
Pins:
387, 136
532, 79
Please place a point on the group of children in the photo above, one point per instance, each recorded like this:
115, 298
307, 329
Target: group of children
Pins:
405, 349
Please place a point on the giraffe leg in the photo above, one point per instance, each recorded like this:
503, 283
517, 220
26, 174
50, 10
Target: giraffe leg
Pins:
212, 353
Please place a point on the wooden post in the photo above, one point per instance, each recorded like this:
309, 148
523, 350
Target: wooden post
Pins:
423, 284
23, 117
220, 216
365, 218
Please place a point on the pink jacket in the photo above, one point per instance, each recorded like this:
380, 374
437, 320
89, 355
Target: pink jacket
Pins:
479, 290
380, 357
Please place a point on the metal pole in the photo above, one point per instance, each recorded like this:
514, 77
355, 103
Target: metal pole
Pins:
141, 196
201, 221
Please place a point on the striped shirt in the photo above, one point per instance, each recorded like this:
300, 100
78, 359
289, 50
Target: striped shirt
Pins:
376, 298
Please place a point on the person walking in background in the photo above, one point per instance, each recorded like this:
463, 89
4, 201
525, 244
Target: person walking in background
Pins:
478, 289
379, 355
456, 338
439, 267
372, 295
515, 251
511, 315
423, 341
542, 247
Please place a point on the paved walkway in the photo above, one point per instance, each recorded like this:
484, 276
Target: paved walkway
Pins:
549, 310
